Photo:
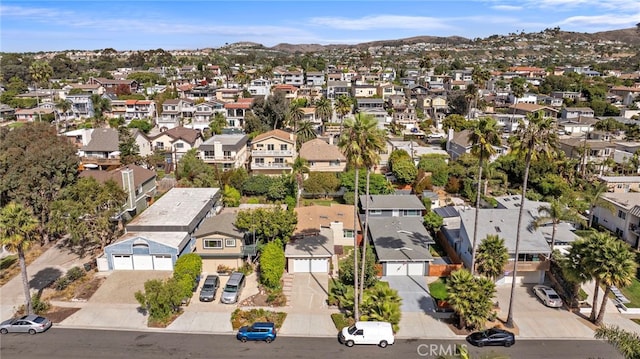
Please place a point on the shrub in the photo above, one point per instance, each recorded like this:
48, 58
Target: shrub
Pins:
188, 265
276, 297
161, 298
39, 306
272, 262
341, 321
75, 273
61, 283
246, 269
241, 317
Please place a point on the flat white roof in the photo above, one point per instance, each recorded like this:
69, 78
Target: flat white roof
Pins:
177, 207
171, 239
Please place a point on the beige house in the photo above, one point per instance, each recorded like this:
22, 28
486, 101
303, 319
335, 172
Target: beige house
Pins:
175, 143
621, 184
323, 157
220, 243
337, 217
273, 152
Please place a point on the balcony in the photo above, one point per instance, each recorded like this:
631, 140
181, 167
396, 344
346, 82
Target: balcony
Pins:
99, 161
271, 165
220, 159
260, 153
528, 266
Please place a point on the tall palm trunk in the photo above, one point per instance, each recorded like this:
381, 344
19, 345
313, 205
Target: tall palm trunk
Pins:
25, 281
475, 225
553, 237
517, 251
365, 235
594, 305
603, 305
356, 312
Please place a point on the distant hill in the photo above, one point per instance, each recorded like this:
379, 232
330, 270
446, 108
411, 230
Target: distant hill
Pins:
629, 36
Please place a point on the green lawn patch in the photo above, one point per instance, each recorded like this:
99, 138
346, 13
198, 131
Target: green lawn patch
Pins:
632, 292
341, 321
438, 289
319, 202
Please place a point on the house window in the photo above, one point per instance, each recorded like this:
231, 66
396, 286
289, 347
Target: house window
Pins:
208, 243
411, 213
375, 212
278, 160
160, 145
283, 147
230, 242
259, 161
179, 145
348, 233
622, 215
270, 147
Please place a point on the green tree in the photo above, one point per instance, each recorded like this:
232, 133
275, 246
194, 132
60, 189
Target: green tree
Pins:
161, 298
306, 132
433, 221
85, 211
492, 257
456, 122
470, 297
405, 171
272, 262
484, 137
321, 183
626, 342
268, 223
128, 147
17, 230
143, 125
535, 140
437, 166
397, 156
347, 274
323, 109
593, 196
218, 122
381, 303
34, 172
194, 172
343, 106
231, 196
556, 212
294, 115
378, 183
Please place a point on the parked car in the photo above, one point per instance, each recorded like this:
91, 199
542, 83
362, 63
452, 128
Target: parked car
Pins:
31, 324
257, 331
209, 288
548, 296
492, 336
233, 288
377, 333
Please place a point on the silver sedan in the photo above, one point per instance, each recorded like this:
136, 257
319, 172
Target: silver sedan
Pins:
31, 324
548, 296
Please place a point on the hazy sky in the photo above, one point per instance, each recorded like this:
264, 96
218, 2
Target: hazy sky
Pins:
176, 24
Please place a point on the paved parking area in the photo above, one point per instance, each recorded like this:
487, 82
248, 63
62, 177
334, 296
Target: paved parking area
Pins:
535, 320
414, 292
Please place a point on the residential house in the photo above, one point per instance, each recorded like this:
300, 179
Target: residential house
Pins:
118, 109
31, 114
458, 144
310, 253
621, 184
366, 104
143, 141
290, 91
139, 109
92, 89
336, 89
102, 149
293, 78
260, 87
337, 217
137, 182
624, 219
158, 236
220, 243
315, 78
364, 91
205, 112
576, 112
115, 86
576, 126
597, 150
387, 90
81, 105
227, 94
235, 112
226, 151
521, 108
175, 143
388, 205
201, 93
273, 152
175, 112
323, 156
6, 112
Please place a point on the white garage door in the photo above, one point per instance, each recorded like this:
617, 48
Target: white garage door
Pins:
122, 262
162, 263
416, 268
310, 266
142, 262
396, 268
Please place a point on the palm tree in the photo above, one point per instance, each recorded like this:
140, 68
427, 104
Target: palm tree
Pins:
17, 229
616, 267
627, 343
492, 256
374, 143
593, 196
306, 132
575, 265
299, 167
295, 115
556, 212
40, 72
517, 89
535, 140
483, 138
353, 144
323, 109
64, 106
343, 106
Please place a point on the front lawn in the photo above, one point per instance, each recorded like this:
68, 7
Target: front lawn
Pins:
632, 292
438, 289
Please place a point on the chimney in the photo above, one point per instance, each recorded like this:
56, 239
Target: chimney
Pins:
338, 231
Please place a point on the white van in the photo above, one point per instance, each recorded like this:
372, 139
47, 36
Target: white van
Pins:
378, 333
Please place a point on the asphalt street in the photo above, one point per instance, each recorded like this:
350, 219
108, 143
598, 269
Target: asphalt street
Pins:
74, 343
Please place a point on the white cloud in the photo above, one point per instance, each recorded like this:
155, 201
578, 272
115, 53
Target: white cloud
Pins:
506, 7
381, 22
602, 20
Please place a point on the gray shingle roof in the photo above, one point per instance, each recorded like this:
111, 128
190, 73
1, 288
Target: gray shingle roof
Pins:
400, 238
390, 201
222, 223
103, 140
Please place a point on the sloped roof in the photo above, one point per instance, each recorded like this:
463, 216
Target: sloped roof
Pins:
320, 150
390, 201
224, 223
103, 140
280, 134
181, 133
140, 175
312, 218
400, 239
318, 246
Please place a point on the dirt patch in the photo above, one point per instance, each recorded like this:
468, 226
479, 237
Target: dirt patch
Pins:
80, 290
58, 314
86, 290
498, 323
13, 269
261, 299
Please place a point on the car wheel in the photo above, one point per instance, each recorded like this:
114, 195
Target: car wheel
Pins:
268, 340
32, 331
243, 339
508, 344
383, 344
349, 343
4, 331
480, 344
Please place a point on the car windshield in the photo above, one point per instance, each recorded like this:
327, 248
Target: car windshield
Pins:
230, 288
352, 329
39, 320
553, 296
208, 287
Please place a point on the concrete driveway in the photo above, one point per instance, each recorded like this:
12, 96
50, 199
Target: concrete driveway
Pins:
414, 292
535, 320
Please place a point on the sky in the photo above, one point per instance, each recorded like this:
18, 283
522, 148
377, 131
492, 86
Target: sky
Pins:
52, 25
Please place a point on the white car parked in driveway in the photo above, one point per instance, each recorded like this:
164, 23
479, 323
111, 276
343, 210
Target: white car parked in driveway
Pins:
548, 296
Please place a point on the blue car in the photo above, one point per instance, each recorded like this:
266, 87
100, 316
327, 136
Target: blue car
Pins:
257, 331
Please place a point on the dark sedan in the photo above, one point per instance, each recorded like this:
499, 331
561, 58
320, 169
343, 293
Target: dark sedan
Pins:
492, 336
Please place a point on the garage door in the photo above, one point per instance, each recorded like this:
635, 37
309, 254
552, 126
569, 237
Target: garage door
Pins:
162, 263
396, 268
310, 266
122, 262
416, 268
142, 262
